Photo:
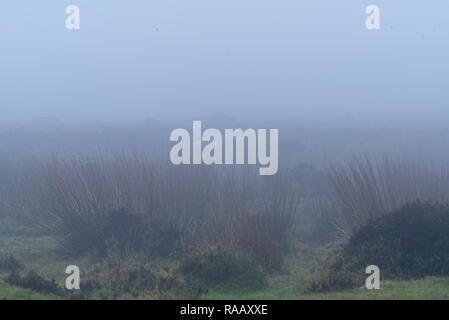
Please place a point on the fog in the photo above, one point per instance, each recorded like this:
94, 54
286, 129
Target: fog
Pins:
249, 59
202, 150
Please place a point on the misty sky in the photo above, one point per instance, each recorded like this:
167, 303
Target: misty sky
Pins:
187, 58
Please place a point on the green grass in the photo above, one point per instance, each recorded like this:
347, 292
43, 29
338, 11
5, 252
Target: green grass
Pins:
8, 292
41, 254
292, 282
430, 288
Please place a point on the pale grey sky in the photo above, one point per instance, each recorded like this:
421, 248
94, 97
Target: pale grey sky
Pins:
264, 58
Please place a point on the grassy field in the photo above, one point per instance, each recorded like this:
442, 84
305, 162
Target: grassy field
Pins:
8, 292
41, 254
431, 288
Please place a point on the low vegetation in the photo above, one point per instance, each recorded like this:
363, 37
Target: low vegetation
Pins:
409, 243
141, 230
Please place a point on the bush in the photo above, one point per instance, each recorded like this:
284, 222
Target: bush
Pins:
113, 280
412, 242
10, 264
130, 233
212, 266
35, 282
335, 275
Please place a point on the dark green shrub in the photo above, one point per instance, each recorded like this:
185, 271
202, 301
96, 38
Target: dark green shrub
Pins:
130, 233
410, 242
335, 275
124, 233
211, 266
10, 264
112, 280
35, 282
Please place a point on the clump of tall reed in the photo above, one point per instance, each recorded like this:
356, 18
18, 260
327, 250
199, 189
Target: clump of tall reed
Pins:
256, 215
371, 187
128, 203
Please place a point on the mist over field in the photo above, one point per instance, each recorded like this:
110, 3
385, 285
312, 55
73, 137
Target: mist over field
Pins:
108, 189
